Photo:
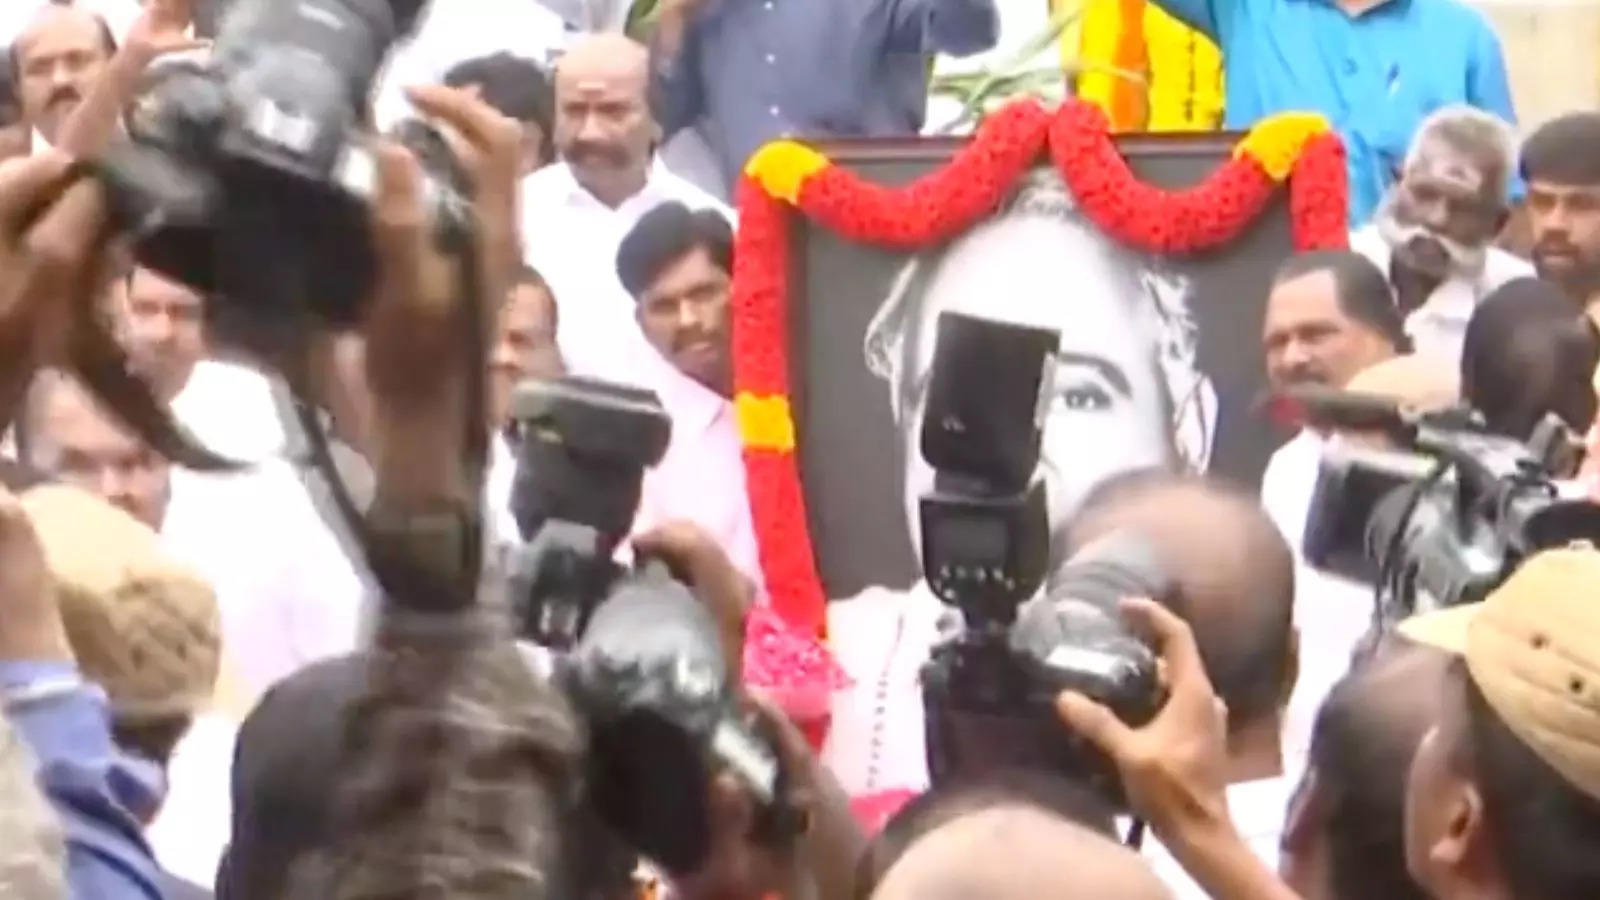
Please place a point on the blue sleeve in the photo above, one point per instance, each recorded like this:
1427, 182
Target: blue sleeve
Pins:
70, 734
675, 94
956, 27
1209, 17
1489, 88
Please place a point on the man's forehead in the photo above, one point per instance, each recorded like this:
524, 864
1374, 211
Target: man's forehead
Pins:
71, 417
59, 28
1441, 161
1562, 189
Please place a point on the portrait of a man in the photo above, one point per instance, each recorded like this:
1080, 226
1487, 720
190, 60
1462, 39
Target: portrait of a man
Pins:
1127, 391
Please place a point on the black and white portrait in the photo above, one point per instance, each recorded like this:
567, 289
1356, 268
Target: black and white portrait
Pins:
1158, 362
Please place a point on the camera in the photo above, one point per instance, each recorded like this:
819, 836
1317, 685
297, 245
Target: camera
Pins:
245, 175
637, 653
990, 685
1446, 517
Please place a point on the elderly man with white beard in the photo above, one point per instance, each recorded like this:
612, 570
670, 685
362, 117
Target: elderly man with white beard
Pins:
1433, 235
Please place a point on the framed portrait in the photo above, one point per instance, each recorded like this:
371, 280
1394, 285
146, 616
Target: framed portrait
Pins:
1154, 272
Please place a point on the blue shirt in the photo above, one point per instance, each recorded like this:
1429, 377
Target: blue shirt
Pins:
762, 69
1375, 76
82, 775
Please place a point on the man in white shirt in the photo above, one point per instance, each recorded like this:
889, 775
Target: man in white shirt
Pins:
576, 212
678, 264
287, 593
1329, 316
58, 54
524, 347
1234, 585
1433, 236
229, 407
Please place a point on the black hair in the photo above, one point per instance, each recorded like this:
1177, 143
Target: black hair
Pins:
1244, 636
1363, 292
528, 276
1542, 828
1562, 150
665, 235
1529, 351
516, 87
1361, 750
1031, 789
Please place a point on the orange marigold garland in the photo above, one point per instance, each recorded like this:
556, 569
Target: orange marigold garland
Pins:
940, 205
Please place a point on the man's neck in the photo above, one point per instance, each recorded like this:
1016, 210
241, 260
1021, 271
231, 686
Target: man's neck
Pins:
1354, 8
1255, 753
614, 194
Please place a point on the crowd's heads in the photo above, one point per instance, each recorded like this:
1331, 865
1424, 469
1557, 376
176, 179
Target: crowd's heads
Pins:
1503, 798
66, 433
1234, 579
678, 265
1043, 791
1344, 838
1018, 852
1529, 352
525, 342
56, 58
1329, 315
603, 127
518, 89
1562, 171
1126, 365
1450, 199
162, 327
142, 627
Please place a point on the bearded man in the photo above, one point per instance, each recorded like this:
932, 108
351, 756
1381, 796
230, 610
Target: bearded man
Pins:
1433, 235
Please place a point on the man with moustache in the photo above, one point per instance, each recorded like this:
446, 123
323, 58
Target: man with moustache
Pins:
576, 212
56, 58
1562, 167
1433, 235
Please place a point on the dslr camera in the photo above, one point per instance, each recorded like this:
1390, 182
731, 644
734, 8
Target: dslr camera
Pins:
1016, 641
637, 653
245, 173
1446, 517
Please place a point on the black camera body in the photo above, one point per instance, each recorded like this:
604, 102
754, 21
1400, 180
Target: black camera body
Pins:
1446, 519
989, 687
246, 174
637, 653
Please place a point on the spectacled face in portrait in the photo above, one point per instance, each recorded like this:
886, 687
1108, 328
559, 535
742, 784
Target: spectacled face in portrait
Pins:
1109, 407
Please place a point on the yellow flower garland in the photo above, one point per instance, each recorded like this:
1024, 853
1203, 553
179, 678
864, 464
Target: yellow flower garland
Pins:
1275, 141
782, 166
765, 423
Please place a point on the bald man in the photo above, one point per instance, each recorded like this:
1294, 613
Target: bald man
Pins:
56, 58
1234, 577
1017, 853
576, 212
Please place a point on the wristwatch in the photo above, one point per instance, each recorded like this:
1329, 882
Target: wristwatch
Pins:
426, 558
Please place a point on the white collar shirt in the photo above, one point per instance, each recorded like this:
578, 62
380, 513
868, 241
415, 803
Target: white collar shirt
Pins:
287, 594
571, 238
190, 832
230, 408
1439, 325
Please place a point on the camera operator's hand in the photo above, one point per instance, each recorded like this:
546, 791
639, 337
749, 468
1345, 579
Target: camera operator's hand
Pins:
162, 27
52, 249
697, 560
417, 365
820, 862
30, 622
1174, 768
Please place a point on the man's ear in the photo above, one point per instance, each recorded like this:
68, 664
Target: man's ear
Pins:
1291, 670
1462, 851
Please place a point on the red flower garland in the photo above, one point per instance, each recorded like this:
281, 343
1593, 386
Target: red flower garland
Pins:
939, 206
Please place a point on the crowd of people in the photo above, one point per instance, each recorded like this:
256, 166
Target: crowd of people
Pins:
214, 685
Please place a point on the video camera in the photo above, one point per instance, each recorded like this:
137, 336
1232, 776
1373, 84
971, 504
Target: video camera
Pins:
245, 173
990, 686
1445, 518
638, 654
